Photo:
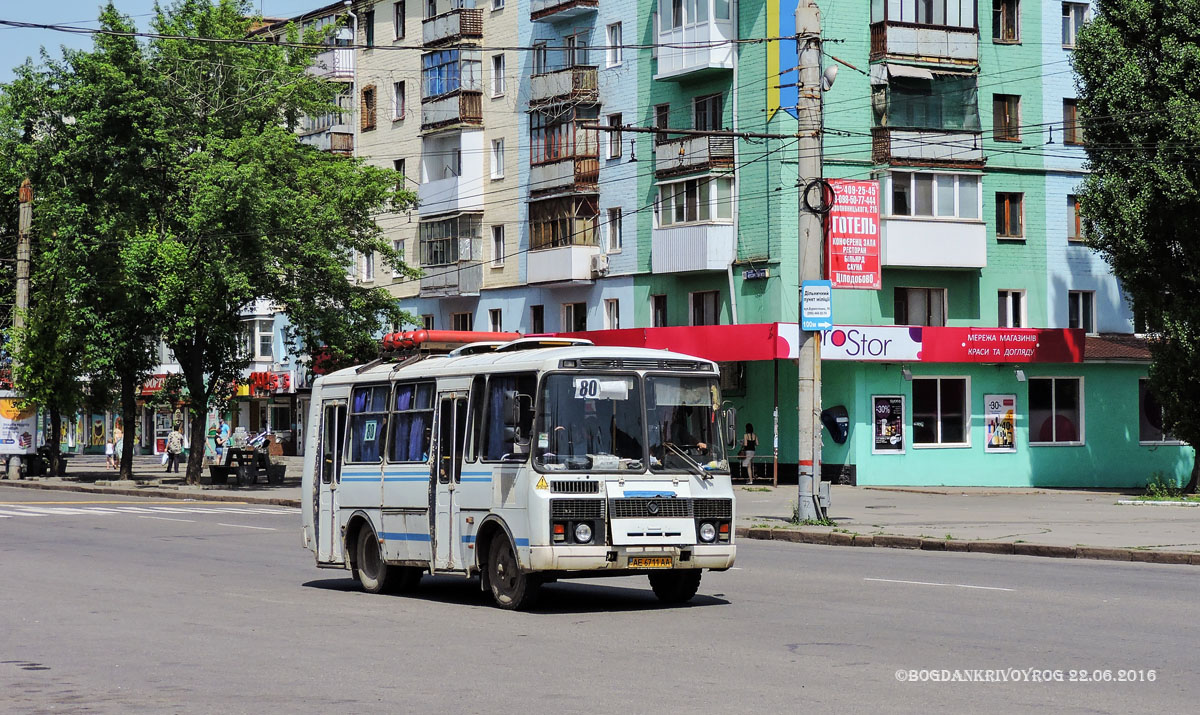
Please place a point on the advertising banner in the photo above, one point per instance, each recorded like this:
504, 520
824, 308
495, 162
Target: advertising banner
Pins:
881, 343
18, 426
888, 413
1002, 345
1000, 423
852, 241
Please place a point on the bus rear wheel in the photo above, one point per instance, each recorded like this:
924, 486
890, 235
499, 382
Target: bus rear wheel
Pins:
675, 586
511, 588
373, 574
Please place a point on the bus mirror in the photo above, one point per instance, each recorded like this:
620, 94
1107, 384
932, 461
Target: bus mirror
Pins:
511, 435
511, 410
729, 415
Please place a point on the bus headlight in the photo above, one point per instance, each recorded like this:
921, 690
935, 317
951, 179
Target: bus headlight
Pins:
583, 533
708, 532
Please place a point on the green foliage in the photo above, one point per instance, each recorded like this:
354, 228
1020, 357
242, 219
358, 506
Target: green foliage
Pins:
1160, 487
1139, 101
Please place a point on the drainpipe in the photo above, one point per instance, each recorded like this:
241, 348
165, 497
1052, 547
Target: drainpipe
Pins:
733, 310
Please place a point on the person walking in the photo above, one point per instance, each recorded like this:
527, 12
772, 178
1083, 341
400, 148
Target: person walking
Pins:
174, 449
749, 446
118, 445
109, 452
222, 440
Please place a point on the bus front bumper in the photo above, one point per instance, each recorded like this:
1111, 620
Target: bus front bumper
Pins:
601, 558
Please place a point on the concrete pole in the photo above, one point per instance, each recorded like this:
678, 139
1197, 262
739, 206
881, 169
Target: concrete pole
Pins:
811, 235
25, 220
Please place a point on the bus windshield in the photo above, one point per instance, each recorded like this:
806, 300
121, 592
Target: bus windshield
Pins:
590, 423
683, 425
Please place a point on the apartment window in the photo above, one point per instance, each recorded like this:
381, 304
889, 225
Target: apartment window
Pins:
575, 50
1006, 117
398, 19
920, 306
940, 410
614, 230
614, 136
612, 314
495, 320
706, 199
662, 120
705, 307
1006, 26
565, 221
398, 104
497, 158
451, 240
398, 245
658, 311
497, 4
1011, 309
655, 28
540, 61
952, 13
1009, 215
368, 266
398, 165
430, 8
498, 75
368, 108
1071, 128
445, 71
613, 55
462, 321
1055, 410
537, 319
1081, 310
559, 134
935, 195
706, 112
265, 341
1074, 223
427, 322
497, 245
574, 317
1152, 420
1074, 16
369, 28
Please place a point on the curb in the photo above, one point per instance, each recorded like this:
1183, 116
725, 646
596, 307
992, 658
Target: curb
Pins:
890, 541
1141, 502
156, 493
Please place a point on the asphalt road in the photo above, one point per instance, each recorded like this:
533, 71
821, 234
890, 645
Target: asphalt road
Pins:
132, 605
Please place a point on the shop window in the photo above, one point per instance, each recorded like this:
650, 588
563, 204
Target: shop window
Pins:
1152, 418
1055, 410
920, 306
368, 423
940, 410
412, 422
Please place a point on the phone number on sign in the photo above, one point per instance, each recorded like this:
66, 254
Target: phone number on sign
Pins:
1024, 675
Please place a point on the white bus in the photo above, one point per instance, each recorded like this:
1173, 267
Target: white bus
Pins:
521, 462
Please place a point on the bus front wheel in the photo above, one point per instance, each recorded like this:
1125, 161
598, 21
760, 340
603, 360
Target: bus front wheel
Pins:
675, 586
511, 588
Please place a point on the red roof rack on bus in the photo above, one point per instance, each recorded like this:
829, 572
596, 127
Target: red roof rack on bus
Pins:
441, 340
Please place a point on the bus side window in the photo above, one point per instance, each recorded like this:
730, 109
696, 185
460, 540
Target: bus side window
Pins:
475, 424
498, 444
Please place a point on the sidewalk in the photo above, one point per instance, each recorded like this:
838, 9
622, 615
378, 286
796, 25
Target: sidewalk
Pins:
1042, 522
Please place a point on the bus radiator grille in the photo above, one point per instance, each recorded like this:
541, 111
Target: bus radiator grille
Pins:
565, 487
714, 508
561, 509
638, 507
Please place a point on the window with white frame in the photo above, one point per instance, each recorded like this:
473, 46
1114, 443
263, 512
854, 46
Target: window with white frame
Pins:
495, 320
1074, 17
612, 314
497, 245
614, 230
613, 55
1011, 309
941, 411
498, 76
920, 306
398, 101
614, 136
265, 341
935, 195
368, 266
1081, 310
497, 4
1055, 410
450, 240
942, 13
427, 322
462, 321
541, 59
398, 19
708, 198
398, 245
706, 307
574, 317
1152, 423
497, 158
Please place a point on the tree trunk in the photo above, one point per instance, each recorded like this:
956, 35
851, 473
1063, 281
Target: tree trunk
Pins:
55, 442
198, 407
1190, 487
129, 423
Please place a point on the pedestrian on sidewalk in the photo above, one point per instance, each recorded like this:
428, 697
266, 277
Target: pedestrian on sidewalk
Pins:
749, 446
118, 442
109, 451
222, 440
174, 449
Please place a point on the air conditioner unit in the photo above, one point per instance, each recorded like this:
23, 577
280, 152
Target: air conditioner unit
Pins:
600, 264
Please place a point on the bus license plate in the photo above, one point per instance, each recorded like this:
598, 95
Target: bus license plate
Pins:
650, 562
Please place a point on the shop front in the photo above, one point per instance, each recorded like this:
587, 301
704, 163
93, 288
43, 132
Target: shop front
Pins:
267, 402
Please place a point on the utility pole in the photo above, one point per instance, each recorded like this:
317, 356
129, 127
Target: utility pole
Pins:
25, 220
811, 236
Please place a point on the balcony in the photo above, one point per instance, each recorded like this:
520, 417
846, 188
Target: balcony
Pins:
560, 263
464, 278
458, 107
453, 26
573, 84
334, 64
578, 173
926, 43
335, 140
697, 153
933, 243
697, 48
559, 10
697, 247
927, 147
456, 193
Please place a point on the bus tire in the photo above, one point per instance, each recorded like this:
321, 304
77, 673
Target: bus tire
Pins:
512, 589
675, 586
373, 574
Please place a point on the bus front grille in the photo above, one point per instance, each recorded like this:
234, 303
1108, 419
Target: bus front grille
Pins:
571, 487
562, 509
714, 508
638, 507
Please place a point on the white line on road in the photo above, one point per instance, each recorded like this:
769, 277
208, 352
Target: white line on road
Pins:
930, 583
165, 518
243, 526
20, 513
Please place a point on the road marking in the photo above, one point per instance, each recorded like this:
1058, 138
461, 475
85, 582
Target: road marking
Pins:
116, 501
166, 518
20, 513
243, 526
931, 583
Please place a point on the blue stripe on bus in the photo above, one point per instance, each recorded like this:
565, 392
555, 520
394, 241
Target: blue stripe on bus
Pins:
422, 478
360, 479
468, 538
476, 479
403, 536
649, 494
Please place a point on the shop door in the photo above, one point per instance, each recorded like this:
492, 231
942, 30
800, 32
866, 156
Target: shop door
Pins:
333, 426
447, 474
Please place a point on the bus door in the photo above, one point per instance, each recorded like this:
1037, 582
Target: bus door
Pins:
447, 475
333, 426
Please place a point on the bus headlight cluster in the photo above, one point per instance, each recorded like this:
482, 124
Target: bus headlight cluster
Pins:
708, 532
583, 533
574, 532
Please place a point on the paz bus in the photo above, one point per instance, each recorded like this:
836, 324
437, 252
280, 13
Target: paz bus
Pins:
520, 461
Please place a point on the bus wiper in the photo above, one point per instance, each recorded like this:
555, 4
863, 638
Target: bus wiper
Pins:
699, 470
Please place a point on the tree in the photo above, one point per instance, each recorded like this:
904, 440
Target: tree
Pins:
1139, 102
